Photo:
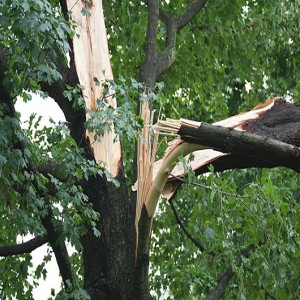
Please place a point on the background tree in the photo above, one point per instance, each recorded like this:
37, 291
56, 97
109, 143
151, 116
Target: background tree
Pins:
235, 235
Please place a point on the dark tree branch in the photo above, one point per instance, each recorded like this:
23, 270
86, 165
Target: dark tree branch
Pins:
164, 16
64, 9
173, 25
219, 291
256, 147
58, 245
53, 236
155, 64
203, 186
69, 77
184, 229
148, 70
25, 247
167, 56
190, 13
76, 118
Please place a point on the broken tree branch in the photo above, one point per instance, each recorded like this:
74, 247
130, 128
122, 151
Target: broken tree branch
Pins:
162, 175
23, 248
253, 146
265, 137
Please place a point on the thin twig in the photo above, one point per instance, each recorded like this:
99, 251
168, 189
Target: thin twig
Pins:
182, 226
207, 187
238, 197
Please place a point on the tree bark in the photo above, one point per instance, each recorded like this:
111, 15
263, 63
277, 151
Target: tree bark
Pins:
109, 261
25, 247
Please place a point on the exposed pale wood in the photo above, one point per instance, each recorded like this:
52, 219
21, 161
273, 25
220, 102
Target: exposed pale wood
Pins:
147, 147
169, 162
92, 60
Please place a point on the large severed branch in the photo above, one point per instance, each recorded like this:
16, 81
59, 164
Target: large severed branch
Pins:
265, 137
251, 146
23, 248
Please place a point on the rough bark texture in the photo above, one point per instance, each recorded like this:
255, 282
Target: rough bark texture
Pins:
252, 147
281, 122
143, 258
109, 261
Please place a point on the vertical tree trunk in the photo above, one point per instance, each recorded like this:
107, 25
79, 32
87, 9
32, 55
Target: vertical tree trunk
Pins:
109, 261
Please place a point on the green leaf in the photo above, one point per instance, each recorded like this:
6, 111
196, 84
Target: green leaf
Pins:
85, 12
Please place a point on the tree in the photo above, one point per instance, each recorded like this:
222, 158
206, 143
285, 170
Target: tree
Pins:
73, 182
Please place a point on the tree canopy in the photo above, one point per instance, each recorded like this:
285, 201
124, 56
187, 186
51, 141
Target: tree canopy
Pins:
231, 234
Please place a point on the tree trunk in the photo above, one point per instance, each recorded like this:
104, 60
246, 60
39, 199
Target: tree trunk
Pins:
109, 261
111, 270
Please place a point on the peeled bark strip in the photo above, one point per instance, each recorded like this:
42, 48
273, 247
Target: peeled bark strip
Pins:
147, 146
162, 175
92, 61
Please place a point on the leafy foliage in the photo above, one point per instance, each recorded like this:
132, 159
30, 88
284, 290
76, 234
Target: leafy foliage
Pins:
226, 214
232, 56
23, 205
36, 34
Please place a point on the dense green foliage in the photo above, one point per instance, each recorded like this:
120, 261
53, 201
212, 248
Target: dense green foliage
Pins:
232, 56
240, 208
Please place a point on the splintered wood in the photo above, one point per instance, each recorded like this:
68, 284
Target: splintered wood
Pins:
147, 147
201, 157
171, 126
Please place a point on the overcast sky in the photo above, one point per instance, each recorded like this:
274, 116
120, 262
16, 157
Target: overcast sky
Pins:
47, 109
